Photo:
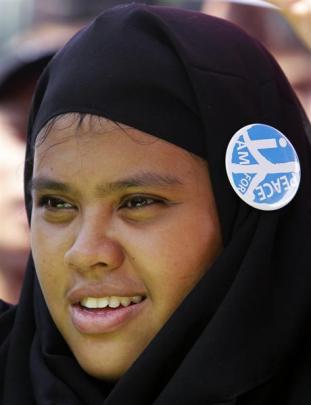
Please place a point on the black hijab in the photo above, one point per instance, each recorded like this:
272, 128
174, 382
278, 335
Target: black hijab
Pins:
242, 336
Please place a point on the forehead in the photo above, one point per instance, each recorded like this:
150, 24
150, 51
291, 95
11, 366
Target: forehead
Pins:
96, 146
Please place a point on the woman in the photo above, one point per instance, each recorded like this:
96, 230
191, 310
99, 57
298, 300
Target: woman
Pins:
151, 280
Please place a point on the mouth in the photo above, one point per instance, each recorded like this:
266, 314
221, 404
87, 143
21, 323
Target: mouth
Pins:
98, 315
110, 302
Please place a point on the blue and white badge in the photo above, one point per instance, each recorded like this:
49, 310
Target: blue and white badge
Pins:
263, 167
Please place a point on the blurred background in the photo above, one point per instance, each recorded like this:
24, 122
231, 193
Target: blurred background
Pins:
31, 31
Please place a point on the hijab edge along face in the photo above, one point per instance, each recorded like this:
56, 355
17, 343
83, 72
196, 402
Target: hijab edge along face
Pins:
106, 231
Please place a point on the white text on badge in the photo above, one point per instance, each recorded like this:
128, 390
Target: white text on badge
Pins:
281, 185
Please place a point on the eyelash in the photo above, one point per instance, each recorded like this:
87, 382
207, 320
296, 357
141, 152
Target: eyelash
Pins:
141, 200
45, 202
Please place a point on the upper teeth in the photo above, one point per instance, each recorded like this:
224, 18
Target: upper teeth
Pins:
112, 302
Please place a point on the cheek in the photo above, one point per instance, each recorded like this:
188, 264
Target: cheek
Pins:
171, 258
47, 239
48, 256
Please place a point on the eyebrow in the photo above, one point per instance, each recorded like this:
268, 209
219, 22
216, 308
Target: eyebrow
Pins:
146, 179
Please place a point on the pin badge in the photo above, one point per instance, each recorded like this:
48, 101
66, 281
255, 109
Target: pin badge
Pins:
263, 167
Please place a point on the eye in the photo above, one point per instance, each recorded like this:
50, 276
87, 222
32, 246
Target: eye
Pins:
54, 203
139, 201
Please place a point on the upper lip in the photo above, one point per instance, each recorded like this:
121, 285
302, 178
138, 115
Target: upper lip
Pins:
99, 290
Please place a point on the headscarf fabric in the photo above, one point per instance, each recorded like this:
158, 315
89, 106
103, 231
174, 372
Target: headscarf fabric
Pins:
242, 335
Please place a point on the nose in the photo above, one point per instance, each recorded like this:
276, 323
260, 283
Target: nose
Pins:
94, 247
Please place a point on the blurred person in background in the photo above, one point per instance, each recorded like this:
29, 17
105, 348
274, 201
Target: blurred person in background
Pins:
18, 76
14, 235
18, 81
298, 14
285, 30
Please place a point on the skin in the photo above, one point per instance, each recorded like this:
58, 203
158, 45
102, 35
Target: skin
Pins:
161, 248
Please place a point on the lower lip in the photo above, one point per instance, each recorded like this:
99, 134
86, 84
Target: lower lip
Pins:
106, 320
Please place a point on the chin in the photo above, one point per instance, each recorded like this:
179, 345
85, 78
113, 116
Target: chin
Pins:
104, 370
109, 364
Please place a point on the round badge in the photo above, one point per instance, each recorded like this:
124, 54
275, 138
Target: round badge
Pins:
263, 167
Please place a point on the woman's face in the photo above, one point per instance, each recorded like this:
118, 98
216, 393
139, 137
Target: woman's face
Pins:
120, 218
